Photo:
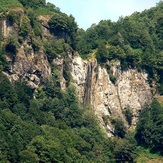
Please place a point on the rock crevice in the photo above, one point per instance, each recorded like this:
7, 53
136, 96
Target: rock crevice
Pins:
94, 87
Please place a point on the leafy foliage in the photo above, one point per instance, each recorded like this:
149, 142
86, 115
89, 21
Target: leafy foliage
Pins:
8, 4
3, 63
135, 40
120, 128
59, 129
149, 128
64, 27
34, 22
11, 45
32, 3
13, 17
128, 114
24, 26
125, 150
101, 53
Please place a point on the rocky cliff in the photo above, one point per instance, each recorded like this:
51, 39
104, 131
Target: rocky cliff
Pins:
26, 64
107, 99
30, 67
109, 92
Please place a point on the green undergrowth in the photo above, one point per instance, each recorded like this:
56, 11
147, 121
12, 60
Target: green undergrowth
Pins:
8, 4
145, 156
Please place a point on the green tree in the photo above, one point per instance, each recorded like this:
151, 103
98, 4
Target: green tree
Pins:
33, 3
119, 128
48, 150
64, 27
128, 115
125, 149
11, 46
59, 25
102, 53
28, 157
7, 92
149, 128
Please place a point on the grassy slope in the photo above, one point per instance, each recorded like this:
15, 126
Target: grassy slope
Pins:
7, 4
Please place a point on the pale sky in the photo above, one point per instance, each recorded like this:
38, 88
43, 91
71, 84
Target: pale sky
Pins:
87, 12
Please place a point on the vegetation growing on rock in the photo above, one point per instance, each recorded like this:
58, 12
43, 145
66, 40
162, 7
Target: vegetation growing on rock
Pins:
43, 123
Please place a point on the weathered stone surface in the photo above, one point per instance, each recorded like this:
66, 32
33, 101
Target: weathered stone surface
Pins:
7, 27
58, 61
95, 88
93, 84
31, 67
79, 75
27, 65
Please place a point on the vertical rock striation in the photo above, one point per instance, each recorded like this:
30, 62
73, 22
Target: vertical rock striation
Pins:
95, 88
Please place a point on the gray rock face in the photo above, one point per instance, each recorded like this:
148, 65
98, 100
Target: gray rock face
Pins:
79, 74
58, 61
29, 67
26, 65
107, 93
95, 88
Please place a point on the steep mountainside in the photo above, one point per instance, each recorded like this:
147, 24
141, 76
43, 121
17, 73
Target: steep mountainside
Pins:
27, 63
109, 99
69, 95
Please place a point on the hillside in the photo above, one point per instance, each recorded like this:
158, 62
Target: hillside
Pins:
69, 95
135, 40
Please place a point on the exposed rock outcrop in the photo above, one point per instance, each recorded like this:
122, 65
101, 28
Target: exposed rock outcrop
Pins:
26, 64
59, 62
108, 92
95, 88
29, 67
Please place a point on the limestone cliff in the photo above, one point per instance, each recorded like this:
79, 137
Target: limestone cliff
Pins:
95, 88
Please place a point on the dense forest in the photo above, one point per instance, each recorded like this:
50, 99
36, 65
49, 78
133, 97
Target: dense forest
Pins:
50, 125
135, 40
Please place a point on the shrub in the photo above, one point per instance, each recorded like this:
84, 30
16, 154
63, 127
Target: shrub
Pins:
24, 26
11, 45
7, 4
112, 78
33, 3
13, 17
119, 128
3, 62
150, 126
125, 149
128, 115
